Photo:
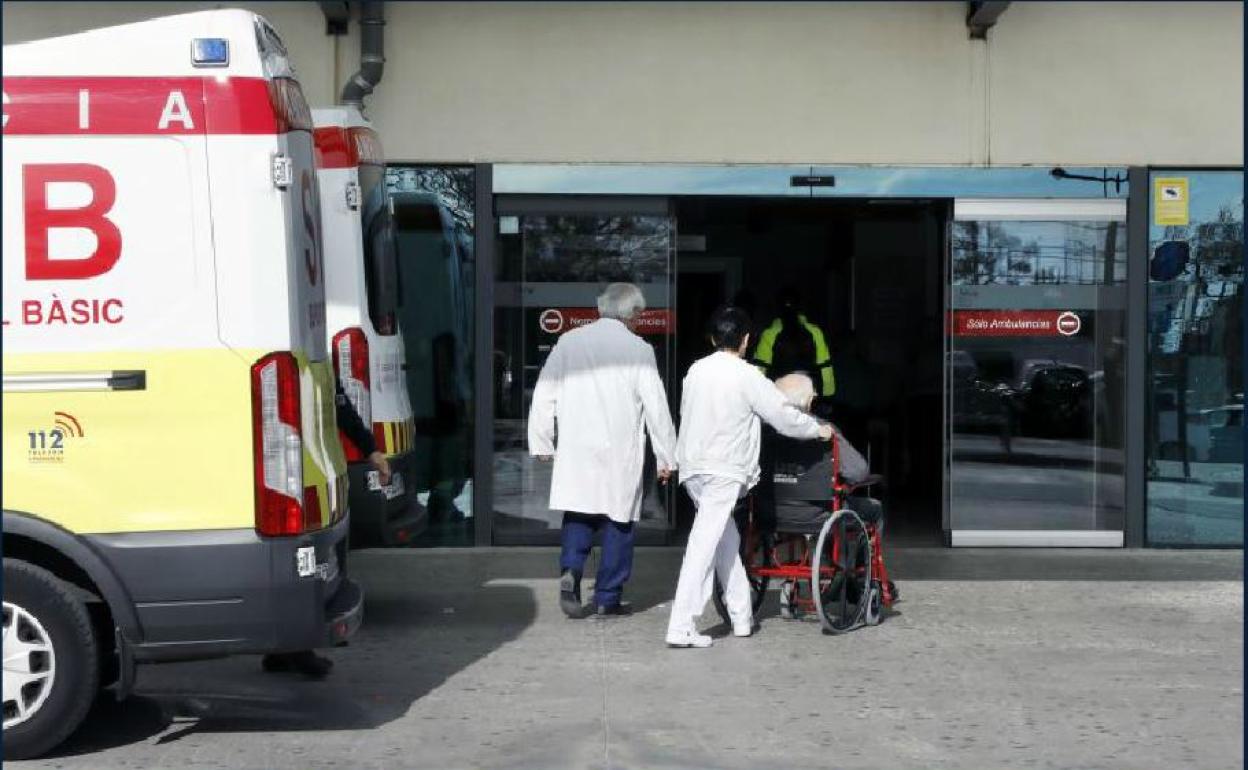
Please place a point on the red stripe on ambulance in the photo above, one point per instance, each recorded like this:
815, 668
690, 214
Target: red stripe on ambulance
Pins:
68, 106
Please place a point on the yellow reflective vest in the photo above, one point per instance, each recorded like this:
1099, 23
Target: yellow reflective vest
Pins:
764, 353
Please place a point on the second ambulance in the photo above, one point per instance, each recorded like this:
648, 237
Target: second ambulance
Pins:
366, 344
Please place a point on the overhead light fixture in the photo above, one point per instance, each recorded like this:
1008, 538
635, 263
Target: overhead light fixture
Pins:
1060, 173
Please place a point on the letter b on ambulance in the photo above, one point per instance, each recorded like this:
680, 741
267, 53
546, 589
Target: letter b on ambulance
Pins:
65, 204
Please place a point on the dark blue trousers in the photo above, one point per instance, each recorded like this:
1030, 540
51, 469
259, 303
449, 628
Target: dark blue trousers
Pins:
616, 564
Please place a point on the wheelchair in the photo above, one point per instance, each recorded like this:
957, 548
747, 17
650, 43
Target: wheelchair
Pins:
823, 544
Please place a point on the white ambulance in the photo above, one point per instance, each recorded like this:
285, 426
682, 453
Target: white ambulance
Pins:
173, 485
361, 291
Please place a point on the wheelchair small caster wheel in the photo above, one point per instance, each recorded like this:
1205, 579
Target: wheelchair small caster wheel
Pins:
871, 612
789, 609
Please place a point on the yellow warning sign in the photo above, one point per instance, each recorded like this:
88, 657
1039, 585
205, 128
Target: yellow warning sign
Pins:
1170, 200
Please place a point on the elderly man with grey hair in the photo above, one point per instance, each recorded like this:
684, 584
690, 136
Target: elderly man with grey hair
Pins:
799, 389
598, 394
795, 475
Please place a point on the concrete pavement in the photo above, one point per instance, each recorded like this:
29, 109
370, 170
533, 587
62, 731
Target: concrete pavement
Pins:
993, 659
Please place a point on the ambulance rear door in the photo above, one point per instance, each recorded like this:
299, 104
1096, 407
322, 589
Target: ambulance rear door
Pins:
267, 232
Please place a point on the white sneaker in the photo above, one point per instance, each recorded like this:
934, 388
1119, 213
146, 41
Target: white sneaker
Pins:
743, 629
689, 639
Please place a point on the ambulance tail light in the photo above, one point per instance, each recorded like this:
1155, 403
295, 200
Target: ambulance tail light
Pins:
351, 367
278, 440
289, 107
366, 146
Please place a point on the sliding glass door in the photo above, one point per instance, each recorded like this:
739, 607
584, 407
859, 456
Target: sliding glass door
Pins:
1034, 371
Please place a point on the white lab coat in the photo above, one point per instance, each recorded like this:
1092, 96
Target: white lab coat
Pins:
720, 407
600, 387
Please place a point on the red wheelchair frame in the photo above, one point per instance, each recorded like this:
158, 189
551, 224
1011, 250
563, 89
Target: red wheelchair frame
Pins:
811, 567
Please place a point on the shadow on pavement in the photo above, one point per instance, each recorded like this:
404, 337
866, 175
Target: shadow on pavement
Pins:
441, 611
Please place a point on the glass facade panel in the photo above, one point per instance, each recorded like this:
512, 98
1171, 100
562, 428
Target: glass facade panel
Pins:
550, 271
1036, 374
1035, 388
1195, 402
434, 218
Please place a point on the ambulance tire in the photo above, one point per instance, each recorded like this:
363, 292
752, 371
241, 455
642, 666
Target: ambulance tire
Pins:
33, 593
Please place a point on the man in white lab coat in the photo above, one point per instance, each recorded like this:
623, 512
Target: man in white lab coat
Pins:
723, 399
600, 391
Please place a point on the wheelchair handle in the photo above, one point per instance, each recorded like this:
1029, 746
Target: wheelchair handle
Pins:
838, 486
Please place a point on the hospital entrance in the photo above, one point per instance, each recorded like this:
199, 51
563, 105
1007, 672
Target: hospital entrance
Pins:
869, 276
976, 345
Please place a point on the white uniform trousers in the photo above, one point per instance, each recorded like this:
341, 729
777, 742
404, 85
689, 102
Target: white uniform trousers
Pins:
714, 546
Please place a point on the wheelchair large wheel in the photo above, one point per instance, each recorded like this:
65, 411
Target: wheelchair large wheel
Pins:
758, 585
841, 574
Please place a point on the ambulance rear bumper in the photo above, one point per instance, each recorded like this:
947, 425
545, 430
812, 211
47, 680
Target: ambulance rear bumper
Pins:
381, 520
211, 593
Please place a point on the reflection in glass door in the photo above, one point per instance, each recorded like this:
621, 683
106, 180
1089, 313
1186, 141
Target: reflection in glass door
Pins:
1195, 412
554, 259
1035, 372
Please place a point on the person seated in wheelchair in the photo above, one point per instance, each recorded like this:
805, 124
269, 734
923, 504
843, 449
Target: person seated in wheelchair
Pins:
796, 484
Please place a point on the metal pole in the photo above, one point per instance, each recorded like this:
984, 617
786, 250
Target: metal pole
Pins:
1138, 386
483, 357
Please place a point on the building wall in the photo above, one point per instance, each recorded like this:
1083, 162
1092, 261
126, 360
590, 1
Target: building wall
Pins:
895, 83
300, 24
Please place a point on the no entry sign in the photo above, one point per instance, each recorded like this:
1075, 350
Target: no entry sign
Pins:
551, 321
1015, 323
1069, 324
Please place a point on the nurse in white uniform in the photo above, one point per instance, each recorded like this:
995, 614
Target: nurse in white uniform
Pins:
723, 399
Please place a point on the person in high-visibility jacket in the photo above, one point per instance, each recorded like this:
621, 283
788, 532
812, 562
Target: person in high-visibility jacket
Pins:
791, 343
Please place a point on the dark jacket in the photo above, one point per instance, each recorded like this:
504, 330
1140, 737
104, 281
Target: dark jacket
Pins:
349, 422
805, 467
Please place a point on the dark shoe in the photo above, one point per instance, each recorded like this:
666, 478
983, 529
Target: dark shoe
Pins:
622, 609
306, 662
570, 595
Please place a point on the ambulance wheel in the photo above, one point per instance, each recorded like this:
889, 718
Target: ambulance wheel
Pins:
840, 572
50, 660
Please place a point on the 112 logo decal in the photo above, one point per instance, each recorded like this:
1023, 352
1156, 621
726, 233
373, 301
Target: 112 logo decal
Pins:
48, 445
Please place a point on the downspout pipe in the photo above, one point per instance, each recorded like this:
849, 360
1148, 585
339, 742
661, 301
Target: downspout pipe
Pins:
372, 55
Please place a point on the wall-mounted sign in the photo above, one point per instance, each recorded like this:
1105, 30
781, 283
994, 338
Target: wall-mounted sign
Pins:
557, 320
1170, 201
812, 180
1016, 323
